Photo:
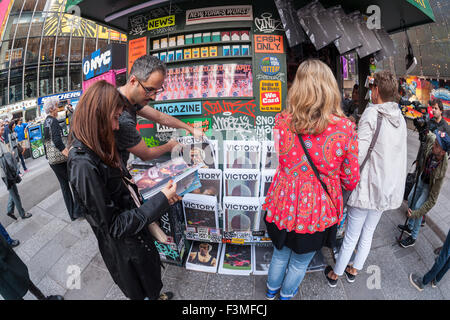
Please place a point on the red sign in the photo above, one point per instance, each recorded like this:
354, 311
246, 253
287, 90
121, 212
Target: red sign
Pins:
268, 43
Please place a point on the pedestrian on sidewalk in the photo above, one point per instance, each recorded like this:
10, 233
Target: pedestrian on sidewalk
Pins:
10, 176
383, 178
53, 136
13, 243
303, 208
438, 270
432, 167
21, 129
110, 200
15, 146
14, 277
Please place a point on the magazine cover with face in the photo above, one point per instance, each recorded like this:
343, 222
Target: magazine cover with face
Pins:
262, 256
318, 25
266, 181
204, 256
269, 158
152, 180
199, 151
241, 154
211, 181
236, 259
241, 183
200, 213
240, 214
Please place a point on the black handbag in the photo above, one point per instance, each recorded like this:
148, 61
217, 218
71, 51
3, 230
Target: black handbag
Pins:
410, 180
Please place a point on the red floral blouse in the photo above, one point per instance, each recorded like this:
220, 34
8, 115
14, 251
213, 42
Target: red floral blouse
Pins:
296, 201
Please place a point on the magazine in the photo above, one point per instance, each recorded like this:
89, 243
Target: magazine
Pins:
211, 181
204, 256
262, 256
241, 183
236, 260
269, 158
152, 180
199, 151
201, 217
266, 181
240, 215
241, 154
348, 41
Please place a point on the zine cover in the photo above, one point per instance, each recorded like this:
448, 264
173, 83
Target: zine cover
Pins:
200, 211
204, 256
240, 214
241, 183
262, 256
151, 181
241, 154
348, 41
199, 151
236, 260
269, 159
266, 181
370, 43
211, 181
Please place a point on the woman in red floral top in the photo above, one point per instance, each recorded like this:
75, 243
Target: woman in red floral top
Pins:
301, 217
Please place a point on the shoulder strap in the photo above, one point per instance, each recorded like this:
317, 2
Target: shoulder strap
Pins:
313, 166
373, 142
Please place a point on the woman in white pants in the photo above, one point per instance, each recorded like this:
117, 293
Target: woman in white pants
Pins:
383, 178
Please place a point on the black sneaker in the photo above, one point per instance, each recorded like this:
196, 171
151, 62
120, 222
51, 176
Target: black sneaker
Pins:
433, 283
332, 283
14, 243
166, 296
408, 242
405, 229
350, 277
416, 281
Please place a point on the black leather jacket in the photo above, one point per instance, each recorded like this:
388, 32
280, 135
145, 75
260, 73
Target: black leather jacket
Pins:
121, 228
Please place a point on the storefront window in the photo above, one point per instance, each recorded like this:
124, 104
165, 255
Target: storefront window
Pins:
102, 43
62, 49
37, 25
3, 87
17, 6
30, 89
33, 51
10, 28
75, 77
4, 54
29, 6
41, 5
76, 49
89, 47
45, 81
18, 52
15, 85
61, 79
23, 25
48, 46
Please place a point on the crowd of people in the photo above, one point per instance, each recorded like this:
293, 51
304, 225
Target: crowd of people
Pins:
326, 164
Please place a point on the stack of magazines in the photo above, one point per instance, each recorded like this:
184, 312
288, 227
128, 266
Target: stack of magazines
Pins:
153, 180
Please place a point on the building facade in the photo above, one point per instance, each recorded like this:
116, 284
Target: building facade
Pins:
42, 49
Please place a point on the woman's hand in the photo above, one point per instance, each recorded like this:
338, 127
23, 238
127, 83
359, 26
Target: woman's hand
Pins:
170, 191
65, 152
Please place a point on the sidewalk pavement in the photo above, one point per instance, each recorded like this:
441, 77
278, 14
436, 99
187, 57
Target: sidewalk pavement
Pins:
50, 243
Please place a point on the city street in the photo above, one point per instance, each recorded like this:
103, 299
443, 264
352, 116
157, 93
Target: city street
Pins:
54, 249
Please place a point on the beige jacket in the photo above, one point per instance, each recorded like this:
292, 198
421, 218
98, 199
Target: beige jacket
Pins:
382, 182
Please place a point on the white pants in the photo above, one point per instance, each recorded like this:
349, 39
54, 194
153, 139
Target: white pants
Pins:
361, 225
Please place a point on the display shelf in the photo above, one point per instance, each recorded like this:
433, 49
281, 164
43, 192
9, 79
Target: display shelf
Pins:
209, 58
203, 44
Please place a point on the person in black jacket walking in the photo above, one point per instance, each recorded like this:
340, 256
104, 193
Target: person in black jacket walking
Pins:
110, 201
53, 132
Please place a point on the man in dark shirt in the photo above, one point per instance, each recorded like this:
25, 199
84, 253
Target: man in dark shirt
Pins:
438, 122
145, 81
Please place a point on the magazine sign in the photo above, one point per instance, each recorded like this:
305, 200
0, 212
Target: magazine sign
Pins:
162, 22
181, 108
270, 91
219, 14
268, 43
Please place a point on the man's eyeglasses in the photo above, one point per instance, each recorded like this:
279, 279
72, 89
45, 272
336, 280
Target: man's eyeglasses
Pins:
151, 91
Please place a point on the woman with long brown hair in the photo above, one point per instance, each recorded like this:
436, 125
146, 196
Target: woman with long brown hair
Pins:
109, 199
302, 211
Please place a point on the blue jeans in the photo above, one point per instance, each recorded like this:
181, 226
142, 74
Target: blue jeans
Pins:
5, 234
441, 265
296, 265
421, 196
15, 201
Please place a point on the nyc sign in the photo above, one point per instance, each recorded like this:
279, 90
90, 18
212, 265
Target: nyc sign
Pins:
97, 63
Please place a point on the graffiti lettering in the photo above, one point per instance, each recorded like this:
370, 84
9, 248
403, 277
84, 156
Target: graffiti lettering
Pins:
268, 25
151, 142
165, 223
164, 136
280, 77
167, 251
263, 120
232, 123
229, 108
